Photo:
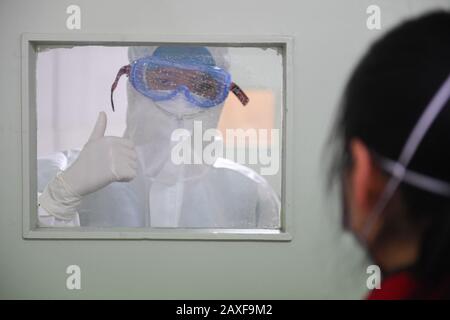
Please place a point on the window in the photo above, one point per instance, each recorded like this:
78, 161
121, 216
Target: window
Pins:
207, 125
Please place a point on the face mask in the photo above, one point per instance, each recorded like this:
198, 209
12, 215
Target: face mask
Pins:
179, 107
150, 126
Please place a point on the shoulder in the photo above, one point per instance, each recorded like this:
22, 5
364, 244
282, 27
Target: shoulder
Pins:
222, 163
262, 186
268, 203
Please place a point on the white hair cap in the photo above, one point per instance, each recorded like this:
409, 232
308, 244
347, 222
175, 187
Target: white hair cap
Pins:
218, 53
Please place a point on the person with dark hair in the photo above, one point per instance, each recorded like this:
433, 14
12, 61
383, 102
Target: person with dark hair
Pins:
393, 133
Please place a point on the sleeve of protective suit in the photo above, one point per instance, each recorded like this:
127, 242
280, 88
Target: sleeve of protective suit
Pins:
45, 219
101, 161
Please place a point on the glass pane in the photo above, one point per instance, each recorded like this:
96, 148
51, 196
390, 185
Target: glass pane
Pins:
194, 140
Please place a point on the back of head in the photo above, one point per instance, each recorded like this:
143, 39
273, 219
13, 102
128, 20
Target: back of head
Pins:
383, 100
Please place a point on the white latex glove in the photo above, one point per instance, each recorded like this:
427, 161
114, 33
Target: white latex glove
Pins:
101, 161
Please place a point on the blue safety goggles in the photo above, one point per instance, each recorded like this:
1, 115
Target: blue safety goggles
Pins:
204, 86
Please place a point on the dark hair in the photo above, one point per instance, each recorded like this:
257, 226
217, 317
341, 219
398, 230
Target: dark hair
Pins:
385, 96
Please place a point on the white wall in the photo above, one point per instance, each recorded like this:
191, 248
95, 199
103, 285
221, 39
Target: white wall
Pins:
319, 262
73, 85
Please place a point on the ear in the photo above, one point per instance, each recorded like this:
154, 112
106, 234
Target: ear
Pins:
365, 178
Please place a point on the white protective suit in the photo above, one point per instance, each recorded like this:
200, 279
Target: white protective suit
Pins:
163, 194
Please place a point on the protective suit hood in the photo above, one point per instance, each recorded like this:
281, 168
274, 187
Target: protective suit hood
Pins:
150, 125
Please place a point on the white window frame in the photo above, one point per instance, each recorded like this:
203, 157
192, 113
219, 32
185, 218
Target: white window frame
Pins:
30, 229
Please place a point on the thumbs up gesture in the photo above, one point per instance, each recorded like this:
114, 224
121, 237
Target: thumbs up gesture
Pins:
102, 160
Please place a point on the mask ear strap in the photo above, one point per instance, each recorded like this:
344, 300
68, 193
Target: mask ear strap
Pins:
239, 93
124, 70
399, 168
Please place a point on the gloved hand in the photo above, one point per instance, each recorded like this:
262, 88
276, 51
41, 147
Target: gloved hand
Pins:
101, 161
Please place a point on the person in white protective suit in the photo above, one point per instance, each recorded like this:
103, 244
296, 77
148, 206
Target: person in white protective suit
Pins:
131, 181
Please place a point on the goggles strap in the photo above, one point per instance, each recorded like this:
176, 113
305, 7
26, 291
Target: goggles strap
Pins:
124, 70
239, 93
